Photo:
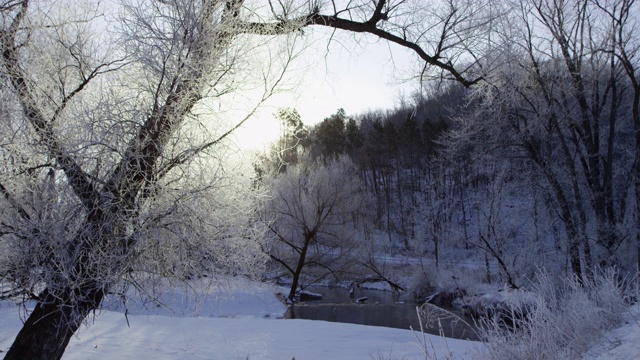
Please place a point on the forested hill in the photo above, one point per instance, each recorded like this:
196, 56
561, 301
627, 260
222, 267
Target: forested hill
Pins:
487, 176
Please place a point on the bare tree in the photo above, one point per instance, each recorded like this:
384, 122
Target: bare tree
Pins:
624, 47
561, 102
315, 208
112, 170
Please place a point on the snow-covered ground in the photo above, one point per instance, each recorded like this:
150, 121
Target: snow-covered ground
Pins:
243, 325
242, 321
620, 343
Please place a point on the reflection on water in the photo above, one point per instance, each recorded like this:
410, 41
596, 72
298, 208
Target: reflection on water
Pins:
382, 308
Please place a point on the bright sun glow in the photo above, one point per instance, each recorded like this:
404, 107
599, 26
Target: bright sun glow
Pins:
347, 78
259, 131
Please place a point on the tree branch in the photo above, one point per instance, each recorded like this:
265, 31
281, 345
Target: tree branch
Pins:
377, 13
14, 204
79, 180
370, 27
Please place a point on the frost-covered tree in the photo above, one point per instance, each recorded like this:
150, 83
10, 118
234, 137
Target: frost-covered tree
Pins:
624, 46
108, 142
558, 98
315, 209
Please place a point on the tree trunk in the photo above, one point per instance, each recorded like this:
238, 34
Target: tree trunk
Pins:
294, 285
636, 126
637, 194
435, 250
301, 262
50, 326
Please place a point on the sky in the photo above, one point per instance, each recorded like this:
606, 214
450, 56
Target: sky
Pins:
354, 74
338, 69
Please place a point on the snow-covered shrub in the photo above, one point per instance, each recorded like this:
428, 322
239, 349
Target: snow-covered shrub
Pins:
561, 322
502, 306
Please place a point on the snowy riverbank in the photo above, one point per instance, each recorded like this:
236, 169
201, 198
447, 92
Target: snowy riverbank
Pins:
243, 325
241, 321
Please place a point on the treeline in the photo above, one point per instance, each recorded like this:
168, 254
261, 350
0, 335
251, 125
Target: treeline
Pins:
396, 151
392, 148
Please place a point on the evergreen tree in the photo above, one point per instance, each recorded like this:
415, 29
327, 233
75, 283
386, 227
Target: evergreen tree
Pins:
331, 136
293, 137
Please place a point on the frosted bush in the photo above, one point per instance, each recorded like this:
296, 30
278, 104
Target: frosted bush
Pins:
562, 322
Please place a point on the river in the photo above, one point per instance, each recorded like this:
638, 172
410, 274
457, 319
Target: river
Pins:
382, 308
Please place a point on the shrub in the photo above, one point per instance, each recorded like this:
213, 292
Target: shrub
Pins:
562, 321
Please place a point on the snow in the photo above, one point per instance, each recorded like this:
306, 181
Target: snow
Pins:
242, 320
242, 325
620, 343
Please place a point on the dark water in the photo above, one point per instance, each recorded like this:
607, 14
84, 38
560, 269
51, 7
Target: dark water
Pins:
381, 309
